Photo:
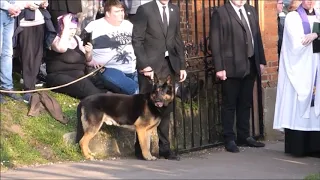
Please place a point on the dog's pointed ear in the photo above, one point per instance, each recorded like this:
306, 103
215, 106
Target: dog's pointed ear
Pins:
169, 79
155, 78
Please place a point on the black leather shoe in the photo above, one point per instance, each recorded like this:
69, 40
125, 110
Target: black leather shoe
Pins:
231, 147
170, 156
250, 142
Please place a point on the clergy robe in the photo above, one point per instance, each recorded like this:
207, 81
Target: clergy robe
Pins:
296, 80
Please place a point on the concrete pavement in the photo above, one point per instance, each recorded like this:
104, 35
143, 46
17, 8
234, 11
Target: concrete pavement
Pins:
251, 163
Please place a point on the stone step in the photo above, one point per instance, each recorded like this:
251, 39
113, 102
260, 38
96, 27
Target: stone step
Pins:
113, 141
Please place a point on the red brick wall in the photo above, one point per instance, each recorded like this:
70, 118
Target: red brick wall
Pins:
268, 26
269, 30
184, 21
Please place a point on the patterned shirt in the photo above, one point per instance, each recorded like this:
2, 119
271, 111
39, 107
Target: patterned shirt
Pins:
112, 45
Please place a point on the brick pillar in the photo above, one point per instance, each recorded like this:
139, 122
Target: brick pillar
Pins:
185, 22
269, 31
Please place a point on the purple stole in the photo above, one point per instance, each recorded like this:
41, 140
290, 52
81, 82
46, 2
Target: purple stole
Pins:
307, 30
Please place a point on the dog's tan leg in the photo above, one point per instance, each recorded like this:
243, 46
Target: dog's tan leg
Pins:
143, 140
85, 140
84, 145
151, 128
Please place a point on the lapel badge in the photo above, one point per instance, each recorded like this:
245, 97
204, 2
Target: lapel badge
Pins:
171, 9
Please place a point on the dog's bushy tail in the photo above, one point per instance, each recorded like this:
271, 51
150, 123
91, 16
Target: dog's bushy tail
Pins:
80, 131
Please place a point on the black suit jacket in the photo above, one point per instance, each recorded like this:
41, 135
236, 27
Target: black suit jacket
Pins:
61, 7
65, 5
228, 41
150, 42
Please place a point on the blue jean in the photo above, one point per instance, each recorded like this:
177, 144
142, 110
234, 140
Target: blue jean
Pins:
7, 29
127, 83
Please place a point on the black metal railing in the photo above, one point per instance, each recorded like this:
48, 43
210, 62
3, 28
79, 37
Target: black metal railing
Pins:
197, 121
197, 118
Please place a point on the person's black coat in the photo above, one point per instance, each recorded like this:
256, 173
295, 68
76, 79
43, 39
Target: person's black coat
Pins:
67, 6
61, 7
281, 21
150, 41
228, 41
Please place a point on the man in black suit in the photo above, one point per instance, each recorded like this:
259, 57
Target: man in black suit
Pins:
238, 56
159, 49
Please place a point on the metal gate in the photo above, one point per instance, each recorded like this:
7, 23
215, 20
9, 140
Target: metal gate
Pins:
197, 122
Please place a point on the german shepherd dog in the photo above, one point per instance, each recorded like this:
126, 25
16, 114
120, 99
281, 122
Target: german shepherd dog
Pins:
141, 112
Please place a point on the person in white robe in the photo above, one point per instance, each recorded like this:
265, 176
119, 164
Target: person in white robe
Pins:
297, 109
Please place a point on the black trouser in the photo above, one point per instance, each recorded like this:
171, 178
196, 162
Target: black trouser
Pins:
237, 95
31, 49
145, 86
80, 89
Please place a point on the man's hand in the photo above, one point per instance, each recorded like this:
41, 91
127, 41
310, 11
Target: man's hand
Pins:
307, 39
183, 75
261, 68
44, 4
147, 72
14, 11
222, 75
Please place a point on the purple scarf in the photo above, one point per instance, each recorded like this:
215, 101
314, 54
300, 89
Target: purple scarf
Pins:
305, 20
307, 30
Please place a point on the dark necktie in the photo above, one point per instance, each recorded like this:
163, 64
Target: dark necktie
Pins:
249, 37
165, 20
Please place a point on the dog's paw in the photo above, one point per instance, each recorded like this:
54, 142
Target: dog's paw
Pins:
91, 158
150, 158
153, 158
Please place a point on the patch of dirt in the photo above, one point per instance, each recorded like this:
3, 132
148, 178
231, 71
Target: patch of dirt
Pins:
15, 128
5, 115
46, 152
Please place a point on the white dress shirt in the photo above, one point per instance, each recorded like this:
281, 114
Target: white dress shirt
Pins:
244, 12
160, 6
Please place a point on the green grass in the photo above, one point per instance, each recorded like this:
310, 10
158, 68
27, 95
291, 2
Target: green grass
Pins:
313, 177
36, 140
